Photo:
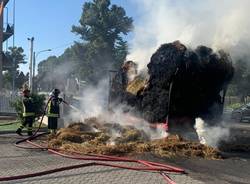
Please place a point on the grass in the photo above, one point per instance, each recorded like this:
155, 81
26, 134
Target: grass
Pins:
235, 105
14, 126
9, 127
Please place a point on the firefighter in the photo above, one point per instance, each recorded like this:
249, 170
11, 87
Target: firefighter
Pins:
28, 113
53, 112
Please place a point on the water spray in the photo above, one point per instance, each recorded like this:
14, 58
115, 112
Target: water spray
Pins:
71, 106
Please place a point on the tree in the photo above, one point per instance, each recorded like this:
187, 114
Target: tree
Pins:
46, 73
14, 57
101, 47
101, 29
241, 82
21, 79
47, 65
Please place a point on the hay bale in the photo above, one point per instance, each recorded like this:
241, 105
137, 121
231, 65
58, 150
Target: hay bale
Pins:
197, 77
136, 85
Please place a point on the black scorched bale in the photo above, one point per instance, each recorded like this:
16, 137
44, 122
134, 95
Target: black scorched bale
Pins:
183, 84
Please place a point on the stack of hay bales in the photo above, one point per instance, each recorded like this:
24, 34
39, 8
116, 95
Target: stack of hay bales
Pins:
183, 84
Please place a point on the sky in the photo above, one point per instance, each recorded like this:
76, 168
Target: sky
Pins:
217, 24
49, 22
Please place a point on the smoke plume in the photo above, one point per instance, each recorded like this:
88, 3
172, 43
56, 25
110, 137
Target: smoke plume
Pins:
94, 103
211, 135
218, 24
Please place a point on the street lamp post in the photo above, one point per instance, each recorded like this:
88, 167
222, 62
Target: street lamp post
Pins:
30, 64
35, 55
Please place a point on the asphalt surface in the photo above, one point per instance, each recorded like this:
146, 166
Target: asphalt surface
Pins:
16, 161
234, 169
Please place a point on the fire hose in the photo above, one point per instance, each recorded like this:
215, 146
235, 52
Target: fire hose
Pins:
96, 160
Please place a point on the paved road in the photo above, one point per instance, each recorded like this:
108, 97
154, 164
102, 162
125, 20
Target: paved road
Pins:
16, 161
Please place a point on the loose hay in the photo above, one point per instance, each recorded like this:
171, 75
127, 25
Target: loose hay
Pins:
176, 146
131, 142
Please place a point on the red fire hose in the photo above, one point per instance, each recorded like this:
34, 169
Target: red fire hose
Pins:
96, 161
148, 166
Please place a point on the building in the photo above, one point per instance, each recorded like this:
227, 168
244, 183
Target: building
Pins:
5, 33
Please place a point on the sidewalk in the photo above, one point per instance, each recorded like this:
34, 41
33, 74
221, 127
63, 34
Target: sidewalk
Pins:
16, 161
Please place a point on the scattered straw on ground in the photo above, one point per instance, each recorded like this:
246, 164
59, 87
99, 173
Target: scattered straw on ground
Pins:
116, 140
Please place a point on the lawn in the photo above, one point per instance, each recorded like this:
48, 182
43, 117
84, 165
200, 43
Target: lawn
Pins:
12, 125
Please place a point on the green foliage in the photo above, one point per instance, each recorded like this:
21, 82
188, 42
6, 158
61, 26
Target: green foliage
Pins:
102, 28
39, 105
47, 65
235, 105
20, 79
241, 82
14, 56
102, 23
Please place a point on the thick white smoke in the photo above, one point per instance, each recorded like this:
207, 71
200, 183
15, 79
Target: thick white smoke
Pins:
222, 24
211, 135
94, 103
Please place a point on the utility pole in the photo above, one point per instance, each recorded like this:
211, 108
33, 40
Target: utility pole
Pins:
31, 62
14, 59
3, 37
1, 43
13, 73
34, 65
34, 87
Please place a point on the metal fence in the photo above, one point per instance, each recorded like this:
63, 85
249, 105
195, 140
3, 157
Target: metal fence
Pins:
5, 106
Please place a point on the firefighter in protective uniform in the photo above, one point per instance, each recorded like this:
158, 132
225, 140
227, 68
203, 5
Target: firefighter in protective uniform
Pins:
28, 113
53, 111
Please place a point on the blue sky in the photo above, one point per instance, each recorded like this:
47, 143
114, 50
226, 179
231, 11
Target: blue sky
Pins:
49, 22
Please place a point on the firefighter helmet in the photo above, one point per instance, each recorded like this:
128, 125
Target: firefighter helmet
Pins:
56, 92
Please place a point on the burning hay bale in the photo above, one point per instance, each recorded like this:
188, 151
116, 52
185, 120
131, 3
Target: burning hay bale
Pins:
130, 142
183, 84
